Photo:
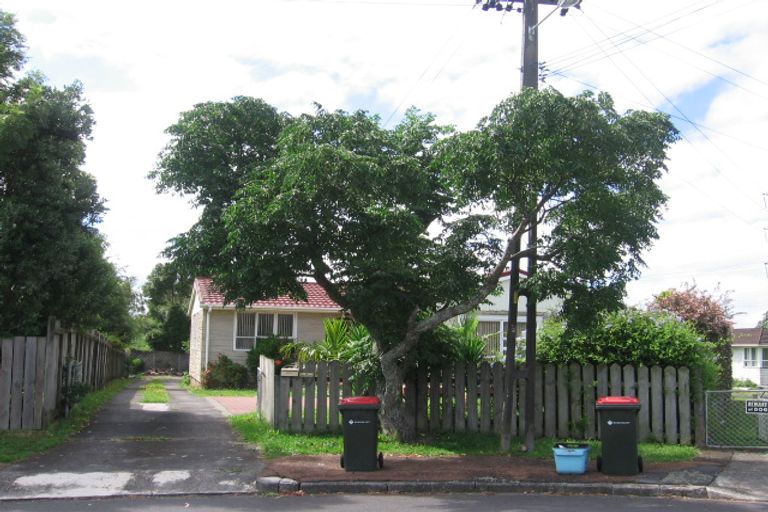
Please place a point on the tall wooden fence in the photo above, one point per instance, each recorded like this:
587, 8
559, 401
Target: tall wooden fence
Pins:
36, 372
469, 398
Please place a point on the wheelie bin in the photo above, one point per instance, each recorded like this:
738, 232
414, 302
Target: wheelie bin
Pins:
360, 428
618, 433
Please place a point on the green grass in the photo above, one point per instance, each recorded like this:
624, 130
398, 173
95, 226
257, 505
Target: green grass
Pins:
17, 445
218, 392
155, 392
278, 444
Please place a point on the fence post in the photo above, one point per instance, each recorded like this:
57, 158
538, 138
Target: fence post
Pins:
6, 366
699, 408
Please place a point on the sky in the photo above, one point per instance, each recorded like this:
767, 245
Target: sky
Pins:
703, 62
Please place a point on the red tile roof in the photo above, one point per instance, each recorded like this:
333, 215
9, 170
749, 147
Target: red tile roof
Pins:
754, 336
316, 297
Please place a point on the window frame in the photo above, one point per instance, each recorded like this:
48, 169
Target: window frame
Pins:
750, 357
257, 336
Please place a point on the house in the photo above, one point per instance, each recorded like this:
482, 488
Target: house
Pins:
221, 328
492, 316
750, 355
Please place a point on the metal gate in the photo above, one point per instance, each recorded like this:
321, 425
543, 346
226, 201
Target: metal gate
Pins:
737, 419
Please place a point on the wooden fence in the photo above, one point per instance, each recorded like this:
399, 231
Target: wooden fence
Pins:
469, 398
36, 372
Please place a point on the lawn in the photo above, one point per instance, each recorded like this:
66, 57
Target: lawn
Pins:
154, 392
277, 444
218, 392
18, 445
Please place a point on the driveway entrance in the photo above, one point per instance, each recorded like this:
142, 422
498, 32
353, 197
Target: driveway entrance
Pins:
189, 448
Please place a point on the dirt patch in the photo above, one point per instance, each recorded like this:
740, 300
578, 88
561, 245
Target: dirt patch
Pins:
412, 468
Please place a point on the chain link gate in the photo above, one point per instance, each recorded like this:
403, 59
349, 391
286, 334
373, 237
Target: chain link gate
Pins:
737, 419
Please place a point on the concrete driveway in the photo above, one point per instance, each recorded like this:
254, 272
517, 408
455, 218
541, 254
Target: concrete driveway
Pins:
130, 449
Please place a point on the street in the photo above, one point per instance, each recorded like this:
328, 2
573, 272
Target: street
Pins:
356, 503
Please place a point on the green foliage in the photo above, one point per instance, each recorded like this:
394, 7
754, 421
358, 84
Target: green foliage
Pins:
467, 345
212, 151
52, 256
384, 219
626, 337
590, 173
744, 383
270, 347
186, 380
710, 315
224, 374
135, 365
166, 324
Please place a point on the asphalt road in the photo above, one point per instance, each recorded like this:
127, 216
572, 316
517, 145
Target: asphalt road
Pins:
357, 503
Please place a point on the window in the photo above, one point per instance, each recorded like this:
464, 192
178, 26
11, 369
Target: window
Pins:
750, 356
764, 363
284, 326
494, 333
254, 326
266, 325
245, 336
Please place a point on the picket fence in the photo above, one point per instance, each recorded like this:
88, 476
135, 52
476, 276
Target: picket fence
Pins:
37, 371
469, 398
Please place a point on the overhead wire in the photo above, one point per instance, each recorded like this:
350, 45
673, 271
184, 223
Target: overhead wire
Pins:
692, 50
677, 109
642, 93
673, 116
432, 62
623, 37
595, 55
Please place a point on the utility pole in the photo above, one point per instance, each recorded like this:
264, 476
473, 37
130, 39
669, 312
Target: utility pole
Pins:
529, 78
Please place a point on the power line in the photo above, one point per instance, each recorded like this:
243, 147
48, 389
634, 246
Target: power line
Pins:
594, 55
673, 116
588, 52
671, 103
697, 52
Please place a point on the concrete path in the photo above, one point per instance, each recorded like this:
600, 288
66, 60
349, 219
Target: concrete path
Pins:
130, 449
744, 478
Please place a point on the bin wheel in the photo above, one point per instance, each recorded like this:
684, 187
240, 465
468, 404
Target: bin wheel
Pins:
381, 460
599, 463
639, 464
341, 461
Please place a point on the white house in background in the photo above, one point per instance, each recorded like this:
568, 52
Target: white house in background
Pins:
750, 355
219, 328
492, 316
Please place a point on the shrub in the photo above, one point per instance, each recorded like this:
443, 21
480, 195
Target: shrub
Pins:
467, 345
744, 383
270, 347
630, 337
709, 315
186, 380
225, 374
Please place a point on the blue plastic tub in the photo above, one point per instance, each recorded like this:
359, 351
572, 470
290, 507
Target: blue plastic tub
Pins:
571, 458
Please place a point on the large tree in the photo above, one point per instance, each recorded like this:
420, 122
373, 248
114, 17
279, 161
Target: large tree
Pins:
51, 254
411, 226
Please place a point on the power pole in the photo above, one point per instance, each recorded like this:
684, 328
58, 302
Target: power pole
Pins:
529, 78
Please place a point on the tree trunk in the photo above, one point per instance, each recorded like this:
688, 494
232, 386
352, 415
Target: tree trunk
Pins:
396, 420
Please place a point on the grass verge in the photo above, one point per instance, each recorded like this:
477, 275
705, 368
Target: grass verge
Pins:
278, 444
155, 392
18, 445
218, 392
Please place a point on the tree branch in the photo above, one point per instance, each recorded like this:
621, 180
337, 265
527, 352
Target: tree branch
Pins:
320, 275
489, 284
